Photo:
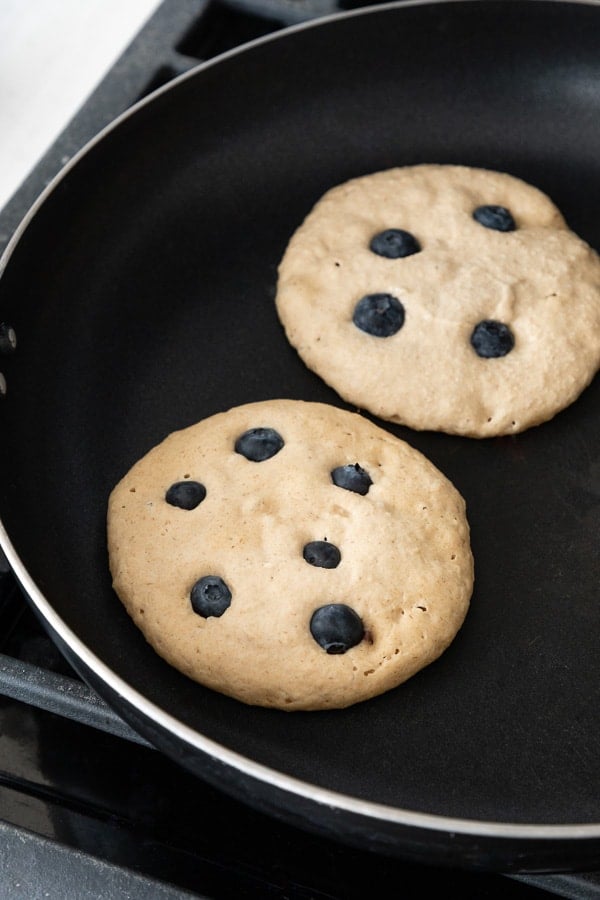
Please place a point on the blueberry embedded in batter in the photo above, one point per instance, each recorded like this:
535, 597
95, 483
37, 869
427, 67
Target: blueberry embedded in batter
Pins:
259, 444
210, 596
394, 243
498, 218
322, 554
379, 314
352, 478
336, 627
492, 339
186, 494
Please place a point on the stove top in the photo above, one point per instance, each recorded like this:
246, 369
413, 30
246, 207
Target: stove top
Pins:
87, 808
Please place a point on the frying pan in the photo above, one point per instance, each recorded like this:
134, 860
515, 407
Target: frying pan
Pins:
141, 290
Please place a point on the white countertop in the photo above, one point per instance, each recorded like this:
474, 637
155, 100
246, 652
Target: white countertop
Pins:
53, 55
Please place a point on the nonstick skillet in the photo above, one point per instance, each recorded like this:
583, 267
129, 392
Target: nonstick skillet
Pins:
141, 290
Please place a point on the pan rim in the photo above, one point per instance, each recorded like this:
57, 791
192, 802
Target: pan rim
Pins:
428, 822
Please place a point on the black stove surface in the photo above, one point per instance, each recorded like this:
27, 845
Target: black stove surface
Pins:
88, 809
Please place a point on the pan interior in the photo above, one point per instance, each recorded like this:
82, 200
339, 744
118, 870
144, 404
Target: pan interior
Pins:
142, 297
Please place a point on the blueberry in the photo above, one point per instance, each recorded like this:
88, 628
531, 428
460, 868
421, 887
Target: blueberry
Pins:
490, 339
210, 596
322, 554
258, 444
496, 217
394, 243
336, 627
186, 494
352, 478
379, 314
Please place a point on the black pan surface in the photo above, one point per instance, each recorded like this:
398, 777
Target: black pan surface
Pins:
141, 292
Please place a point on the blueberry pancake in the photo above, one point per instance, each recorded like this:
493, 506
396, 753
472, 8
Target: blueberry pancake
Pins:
291, 555
445, 298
